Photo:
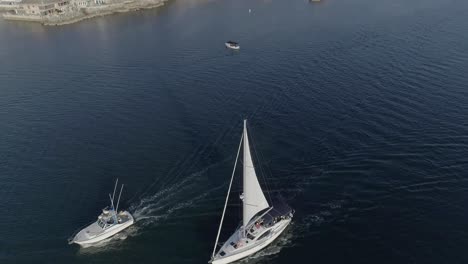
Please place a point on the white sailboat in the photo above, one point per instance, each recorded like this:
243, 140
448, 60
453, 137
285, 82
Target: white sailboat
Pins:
262, 222
109, 223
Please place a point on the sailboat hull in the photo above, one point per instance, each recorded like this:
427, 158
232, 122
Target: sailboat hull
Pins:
278, 230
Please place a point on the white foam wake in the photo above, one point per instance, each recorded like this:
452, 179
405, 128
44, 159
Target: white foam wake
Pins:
168, 202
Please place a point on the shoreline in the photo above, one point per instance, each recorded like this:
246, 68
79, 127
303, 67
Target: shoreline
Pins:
106, 13
81, 14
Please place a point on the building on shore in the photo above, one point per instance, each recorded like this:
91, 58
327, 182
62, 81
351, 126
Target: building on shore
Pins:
37, 10
6, 5
59, 12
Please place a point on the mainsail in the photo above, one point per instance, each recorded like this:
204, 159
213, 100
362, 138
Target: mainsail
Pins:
254, 200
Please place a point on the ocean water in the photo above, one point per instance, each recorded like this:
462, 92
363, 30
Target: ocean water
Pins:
359, 110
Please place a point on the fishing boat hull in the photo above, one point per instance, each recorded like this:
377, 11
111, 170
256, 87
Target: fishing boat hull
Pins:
229, 46
91, 235
277, 231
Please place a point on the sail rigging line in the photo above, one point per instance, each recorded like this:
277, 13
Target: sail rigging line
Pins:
227, 197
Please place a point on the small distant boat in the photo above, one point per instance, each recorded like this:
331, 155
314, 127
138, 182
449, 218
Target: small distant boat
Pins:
232, 45
262, 220
109, 223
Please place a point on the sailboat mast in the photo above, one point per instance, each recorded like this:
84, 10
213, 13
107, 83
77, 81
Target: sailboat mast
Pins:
244, 168
227, 197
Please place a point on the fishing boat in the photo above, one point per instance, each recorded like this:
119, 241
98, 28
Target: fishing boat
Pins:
109, 223
262, 221
232, 45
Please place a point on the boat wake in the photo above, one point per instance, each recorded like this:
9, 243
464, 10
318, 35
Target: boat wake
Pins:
310, 224
165, 204
285, 240
299, 228
170, 201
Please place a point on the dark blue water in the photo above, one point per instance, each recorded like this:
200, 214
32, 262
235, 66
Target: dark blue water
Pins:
358, 108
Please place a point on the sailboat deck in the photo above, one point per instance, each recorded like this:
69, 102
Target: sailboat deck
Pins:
238, 243
238, 246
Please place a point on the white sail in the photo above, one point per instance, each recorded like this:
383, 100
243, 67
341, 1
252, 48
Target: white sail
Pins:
254, 200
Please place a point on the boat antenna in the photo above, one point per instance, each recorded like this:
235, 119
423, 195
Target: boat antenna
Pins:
227, 197
113, 195
116, 210
112, 204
